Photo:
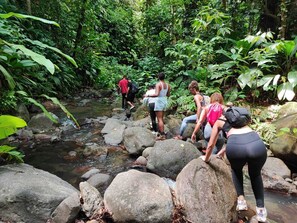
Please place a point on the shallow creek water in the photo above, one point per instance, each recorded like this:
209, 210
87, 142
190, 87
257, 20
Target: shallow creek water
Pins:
52, 157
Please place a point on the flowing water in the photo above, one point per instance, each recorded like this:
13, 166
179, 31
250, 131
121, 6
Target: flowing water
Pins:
54, 158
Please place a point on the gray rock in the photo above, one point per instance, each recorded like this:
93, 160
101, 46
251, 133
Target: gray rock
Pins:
275, 166
40, 123
67, 210
135, 196
136, 139
28, 193
169, 157
206, 191
90, 173
100, 181
91, 199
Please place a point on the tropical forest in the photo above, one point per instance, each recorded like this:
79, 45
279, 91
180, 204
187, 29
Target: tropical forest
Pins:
55, 52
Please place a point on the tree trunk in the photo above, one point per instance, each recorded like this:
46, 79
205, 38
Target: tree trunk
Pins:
80, 27
28, 2
283, 19
269, 20
224, 3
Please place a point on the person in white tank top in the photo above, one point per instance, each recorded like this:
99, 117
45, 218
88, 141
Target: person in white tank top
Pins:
162, 92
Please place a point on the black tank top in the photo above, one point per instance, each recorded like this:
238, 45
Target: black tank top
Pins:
226, 127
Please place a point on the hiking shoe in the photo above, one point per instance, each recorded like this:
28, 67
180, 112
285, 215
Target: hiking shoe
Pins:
241, 205
155, 133
261, 214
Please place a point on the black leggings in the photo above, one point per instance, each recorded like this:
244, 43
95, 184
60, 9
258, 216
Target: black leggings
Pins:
124, 100
247, 148
153, 116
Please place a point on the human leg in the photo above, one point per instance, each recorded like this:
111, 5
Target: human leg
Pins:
186, 120
257, 158
236, 155
153, 116
124, 101
159, 115
251, 147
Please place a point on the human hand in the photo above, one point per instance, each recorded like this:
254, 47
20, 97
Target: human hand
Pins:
193, 138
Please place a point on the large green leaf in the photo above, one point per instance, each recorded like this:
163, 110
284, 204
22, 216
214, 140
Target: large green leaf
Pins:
9, 125
285, 91
292, 77
11, 153
22, 16
38, 43
288, 47
8, 77
38, 58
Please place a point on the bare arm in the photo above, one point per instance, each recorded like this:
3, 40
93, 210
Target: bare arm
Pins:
213, 138
199, 123
198, 98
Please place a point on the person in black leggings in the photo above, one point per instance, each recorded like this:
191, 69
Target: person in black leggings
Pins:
244, 146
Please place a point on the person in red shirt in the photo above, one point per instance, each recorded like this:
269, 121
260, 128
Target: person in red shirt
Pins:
123, 85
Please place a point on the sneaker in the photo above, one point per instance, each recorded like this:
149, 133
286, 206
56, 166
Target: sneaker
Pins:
241, 205
155, 133
261, 214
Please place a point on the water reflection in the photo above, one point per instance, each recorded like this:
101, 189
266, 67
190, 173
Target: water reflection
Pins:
55, 159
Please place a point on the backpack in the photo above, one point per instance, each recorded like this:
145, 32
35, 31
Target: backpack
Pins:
134, 88
206, 100
237, 117
215, 111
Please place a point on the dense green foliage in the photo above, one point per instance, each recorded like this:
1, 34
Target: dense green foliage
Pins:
245, 49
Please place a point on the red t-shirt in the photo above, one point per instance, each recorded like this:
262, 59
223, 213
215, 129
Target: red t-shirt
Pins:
123, 84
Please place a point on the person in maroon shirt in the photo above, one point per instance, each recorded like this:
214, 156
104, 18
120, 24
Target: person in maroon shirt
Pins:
123, 85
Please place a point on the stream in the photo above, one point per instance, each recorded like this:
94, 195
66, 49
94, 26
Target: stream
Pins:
54, 158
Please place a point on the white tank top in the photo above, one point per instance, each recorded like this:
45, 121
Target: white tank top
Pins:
163, 91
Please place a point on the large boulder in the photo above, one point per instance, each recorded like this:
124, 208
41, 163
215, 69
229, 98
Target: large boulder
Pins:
136, 139
28, 194
287, 109
41, 123
114, 131
139, 197
206, 191
284, 145
275, 173
169, 157
67, 210
91, 199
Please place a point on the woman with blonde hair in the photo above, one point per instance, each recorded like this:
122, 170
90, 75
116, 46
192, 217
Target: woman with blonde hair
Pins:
209, 115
